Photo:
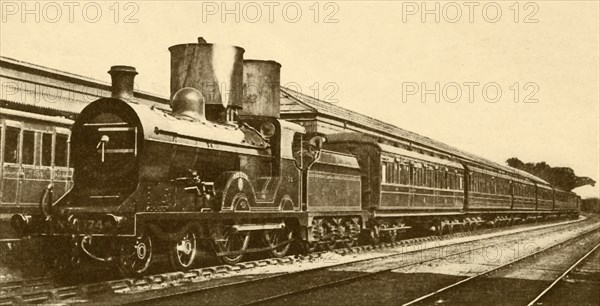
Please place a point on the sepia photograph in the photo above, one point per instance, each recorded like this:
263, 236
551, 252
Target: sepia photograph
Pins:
301, 152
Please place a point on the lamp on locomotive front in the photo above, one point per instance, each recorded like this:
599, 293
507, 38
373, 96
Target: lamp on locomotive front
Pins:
122, 82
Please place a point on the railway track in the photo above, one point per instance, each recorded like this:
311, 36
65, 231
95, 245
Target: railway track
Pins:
31, 291
14, 280
34, 283
557, 282
272, 300
263, 288
494, 290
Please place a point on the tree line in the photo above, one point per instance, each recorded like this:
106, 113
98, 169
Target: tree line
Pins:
563, 178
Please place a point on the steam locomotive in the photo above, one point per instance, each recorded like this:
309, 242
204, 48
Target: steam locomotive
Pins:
219, 172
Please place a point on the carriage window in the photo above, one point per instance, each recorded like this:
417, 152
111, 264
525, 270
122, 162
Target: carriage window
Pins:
391, 173
416, 176
11, 146
46, 149
28, 147
404, 176
60, 158
443, 179
455, 181
428, 178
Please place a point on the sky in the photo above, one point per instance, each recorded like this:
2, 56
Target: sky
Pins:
499, 79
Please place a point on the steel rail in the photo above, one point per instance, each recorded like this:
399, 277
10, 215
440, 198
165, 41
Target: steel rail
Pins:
454, 285
362, 276
562, 276
495, 232
287, 274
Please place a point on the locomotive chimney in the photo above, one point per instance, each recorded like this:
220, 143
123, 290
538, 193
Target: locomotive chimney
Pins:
122, 81
214, 70
261, 88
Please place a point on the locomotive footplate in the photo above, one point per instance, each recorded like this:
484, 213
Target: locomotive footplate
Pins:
218, 216
102, 224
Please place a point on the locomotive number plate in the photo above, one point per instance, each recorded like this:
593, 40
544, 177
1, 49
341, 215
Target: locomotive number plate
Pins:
94, 225
86, 226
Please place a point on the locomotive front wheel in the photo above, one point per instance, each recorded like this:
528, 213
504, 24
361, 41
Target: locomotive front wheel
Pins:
233, 241
183, 253
134, 258
279, 241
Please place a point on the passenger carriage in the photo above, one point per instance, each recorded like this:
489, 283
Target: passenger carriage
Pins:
34, 152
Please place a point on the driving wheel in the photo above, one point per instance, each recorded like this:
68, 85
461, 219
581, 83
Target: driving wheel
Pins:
183, 252
234, 243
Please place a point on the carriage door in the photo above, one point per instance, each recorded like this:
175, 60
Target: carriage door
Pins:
31, 183
11, 140
61, 173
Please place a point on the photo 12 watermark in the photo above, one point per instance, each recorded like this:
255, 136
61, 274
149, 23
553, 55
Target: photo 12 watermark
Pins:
69, 11
470, 92
269, 11
324, 91
470, 12
53, 92
57, 91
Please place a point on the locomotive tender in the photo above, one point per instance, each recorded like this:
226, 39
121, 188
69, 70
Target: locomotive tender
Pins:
219, 172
